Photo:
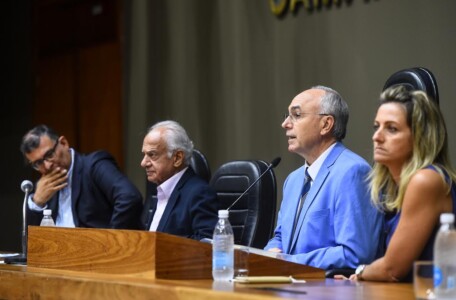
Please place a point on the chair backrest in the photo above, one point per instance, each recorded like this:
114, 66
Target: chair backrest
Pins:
253, 216
199, 164
415, 79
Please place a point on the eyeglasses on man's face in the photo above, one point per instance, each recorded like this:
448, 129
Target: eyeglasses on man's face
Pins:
296, 116
48, 156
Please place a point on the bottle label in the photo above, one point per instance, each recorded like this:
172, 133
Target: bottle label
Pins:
222, 260
437, 276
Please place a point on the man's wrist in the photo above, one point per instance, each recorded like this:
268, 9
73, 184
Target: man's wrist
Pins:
33, 206
37, 202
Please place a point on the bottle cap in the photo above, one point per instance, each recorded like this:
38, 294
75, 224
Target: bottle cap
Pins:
446, 218
223, 213
47, 212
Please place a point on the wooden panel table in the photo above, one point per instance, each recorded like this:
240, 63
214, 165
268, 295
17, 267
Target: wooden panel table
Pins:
78, 263
21, 282
154, 255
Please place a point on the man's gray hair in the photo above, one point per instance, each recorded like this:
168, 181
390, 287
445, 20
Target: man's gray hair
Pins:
176, 138
333, 104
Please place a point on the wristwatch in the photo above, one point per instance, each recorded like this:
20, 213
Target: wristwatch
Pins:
359, 271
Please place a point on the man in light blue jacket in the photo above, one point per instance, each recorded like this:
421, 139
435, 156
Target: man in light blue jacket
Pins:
326, 219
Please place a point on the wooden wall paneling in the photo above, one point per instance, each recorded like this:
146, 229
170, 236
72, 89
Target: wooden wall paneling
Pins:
54, 26
96, 22
78, 72
55, 95
100, 99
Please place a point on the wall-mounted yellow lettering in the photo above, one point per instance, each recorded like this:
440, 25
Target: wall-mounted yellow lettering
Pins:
278, 6
307, 4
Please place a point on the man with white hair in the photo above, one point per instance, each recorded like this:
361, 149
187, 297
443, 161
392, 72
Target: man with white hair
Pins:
185, 204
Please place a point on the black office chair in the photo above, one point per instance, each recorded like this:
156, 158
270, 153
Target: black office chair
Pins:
253, 216
198, 163
413, 79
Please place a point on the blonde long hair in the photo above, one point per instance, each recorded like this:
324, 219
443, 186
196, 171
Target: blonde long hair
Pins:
430, 147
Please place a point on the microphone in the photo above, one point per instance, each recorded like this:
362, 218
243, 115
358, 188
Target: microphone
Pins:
273, 164
26, 187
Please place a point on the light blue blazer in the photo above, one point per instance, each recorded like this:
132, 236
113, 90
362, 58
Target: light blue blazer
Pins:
338, 226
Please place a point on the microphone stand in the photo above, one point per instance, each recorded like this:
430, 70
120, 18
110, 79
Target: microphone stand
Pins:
273, 164
21, 258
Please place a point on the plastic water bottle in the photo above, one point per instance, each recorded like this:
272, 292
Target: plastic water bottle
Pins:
445, 259
47, 218
223, 249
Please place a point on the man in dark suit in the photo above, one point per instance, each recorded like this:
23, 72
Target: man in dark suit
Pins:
82, 190
185, 204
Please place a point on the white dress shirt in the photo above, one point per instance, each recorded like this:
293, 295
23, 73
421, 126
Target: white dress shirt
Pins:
315, 167
164, 191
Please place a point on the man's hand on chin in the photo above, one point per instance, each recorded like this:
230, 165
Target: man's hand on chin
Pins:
49, 184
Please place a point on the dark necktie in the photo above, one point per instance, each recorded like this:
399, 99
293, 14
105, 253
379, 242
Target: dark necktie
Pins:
305, 190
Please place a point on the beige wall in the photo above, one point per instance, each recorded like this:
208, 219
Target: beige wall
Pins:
227, 70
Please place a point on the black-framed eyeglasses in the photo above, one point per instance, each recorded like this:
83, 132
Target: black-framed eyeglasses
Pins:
48, 156
295, 116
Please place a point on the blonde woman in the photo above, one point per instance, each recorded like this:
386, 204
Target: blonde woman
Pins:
412, 181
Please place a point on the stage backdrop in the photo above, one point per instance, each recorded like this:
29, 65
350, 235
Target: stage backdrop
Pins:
227, 70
